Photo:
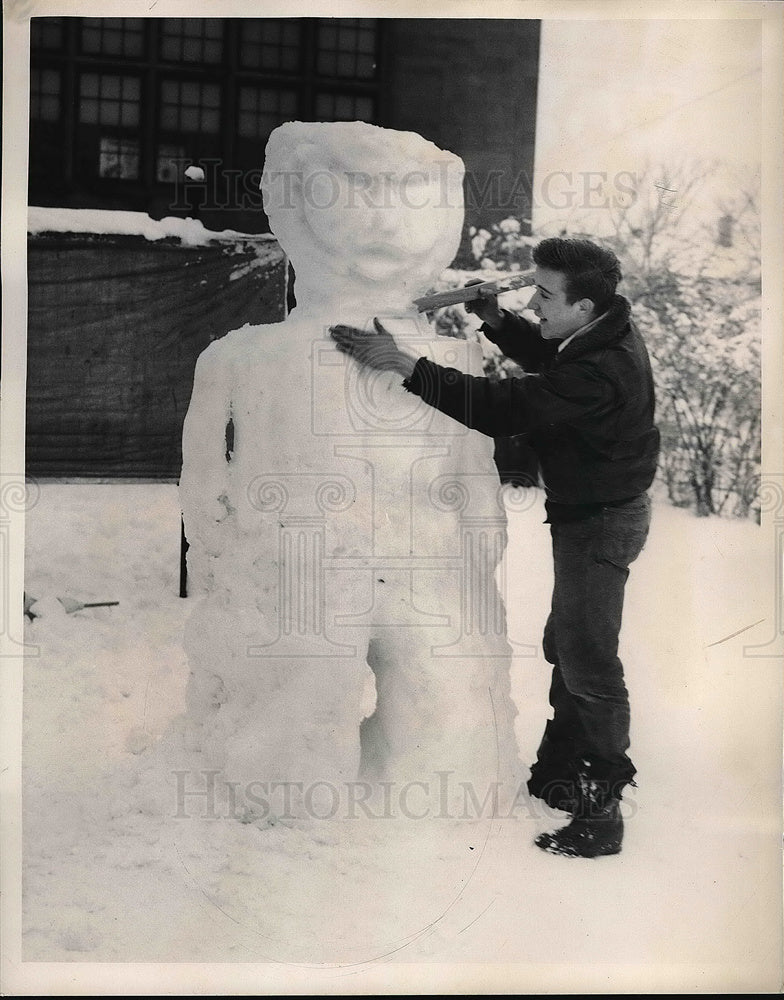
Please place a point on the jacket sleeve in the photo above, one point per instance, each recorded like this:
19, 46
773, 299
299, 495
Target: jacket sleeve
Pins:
521, 341
515, 405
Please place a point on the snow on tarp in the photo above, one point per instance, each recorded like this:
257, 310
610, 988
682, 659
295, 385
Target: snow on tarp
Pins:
190, 232
119, 308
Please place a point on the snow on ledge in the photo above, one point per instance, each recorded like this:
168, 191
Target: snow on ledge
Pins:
190, 232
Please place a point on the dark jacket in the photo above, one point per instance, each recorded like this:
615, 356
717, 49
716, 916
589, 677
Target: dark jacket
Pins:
587, 411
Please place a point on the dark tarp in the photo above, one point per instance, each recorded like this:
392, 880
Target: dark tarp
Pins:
115, 326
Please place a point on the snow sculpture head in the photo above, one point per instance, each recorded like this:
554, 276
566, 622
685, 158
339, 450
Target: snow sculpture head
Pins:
359, 208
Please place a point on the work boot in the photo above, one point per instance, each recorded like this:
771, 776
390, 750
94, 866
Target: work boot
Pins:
587, 836
596, 828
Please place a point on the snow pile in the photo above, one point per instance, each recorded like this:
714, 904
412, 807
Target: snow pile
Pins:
344, 536
190, 232
691, 905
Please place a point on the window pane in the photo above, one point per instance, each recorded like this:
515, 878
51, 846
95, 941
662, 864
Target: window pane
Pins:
270, 44
169, 164
324, 106
130, 115
130, 88
194, 39
188, 106
189, 93
133, 36
118, 158
109, 100
366, 67
267, 100
269, 56
366, 41
347, 48
363, 109
210, 121
88, 112
109, 113
91, 39
50, 81
288, 103
112, 43
191, 49
90, 85
289, 59
211, 95
347, 64
169, 118
246, 126
115, 36
344, 108
328, 37
327, 63
189, 119
45, 95
46, 32
170, 49
49, 109
263, 108
212, 52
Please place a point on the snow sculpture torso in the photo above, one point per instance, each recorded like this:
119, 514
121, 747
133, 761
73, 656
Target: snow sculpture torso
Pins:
337, 524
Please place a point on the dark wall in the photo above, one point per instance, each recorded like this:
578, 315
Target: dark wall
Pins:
115, 326
470, 86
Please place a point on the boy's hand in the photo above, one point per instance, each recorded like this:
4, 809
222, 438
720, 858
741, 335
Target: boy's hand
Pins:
374, 350
485, 307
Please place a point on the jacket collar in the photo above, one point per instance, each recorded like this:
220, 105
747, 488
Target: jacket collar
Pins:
609, 327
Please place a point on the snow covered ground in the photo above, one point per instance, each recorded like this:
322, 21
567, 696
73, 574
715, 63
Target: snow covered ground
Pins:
120, 867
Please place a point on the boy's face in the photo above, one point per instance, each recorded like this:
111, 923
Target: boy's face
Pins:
558, 319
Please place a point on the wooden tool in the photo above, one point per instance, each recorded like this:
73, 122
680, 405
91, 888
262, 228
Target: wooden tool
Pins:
72, 605
69, 603
516, 279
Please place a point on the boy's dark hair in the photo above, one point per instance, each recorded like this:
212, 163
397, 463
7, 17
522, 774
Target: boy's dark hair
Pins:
590, 271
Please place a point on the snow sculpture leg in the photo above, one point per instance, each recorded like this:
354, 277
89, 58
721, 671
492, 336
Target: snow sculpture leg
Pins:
344, 526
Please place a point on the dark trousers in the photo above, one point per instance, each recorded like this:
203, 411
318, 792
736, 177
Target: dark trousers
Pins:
589, 730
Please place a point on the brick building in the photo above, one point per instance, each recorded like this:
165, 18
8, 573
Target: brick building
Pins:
121, 106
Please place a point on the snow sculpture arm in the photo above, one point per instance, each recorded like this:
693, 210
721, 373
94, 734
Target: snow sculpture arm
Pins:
205, 480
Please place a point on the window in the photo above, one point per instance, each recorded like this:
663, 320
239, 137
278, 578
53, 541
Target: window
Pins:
118, 158
273, 44
190, 106
107, 99
113, 36
45, 95
170, 163
346, 47
192, 39
344, 107
46, 33
262, 109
